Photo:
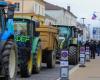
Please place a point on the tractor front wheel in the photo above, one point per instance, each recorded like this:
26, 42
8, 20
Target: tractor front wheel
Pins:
26, 64
38, 60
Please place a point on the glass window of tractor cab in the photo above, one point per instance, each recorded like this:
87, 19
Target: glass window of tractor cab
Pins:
20, 28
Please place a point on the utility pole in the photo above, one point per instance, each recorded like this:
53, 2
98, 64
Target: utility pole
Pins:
22, 7
89, 30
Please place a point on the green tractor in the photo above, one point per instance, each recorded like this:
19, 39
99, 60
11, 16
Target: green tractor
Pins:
68, 40
29, 48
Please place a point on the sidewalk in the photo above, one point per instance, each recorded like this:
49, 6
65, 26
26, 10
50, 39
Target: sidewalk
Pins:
90, 72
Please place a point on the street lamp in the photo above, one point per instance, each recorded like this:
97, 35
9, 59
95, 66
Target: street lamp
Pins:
83, 20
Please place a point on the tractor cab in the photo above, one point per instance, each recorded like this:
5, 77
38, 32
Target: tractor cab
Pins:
24, 30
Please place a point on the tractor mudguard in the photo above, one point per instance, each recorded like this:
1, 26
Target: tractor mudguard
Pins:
34, 44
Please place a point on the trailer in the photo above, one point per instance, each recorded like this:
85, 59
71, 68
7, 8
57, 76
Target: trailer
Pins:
49, 44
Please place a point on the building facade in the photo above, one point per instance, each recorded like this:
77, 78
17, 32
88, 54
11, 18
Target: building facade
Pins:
85, 32
62, 15
50, 20
30, 9
96, 33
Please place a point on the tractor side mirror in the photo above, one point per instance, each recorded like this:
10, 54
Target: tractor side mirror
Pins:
10, 12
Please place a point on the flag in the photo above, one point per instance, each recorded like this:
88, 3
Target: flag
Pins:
94, 16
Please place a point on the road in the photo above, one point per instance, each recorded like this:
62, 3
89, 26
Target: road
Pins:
45, 74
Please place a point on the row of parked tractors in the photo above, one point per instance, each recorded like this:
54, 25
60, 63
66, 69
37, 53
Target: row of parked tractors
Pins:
24, 44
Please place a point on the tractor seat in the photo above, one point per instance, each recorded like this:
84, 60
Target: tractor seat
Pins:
3, 4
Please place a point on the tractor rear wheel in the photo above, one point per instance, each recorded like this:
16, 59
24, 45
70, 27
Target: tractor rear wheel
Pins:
51, 59
9, 61
38, 60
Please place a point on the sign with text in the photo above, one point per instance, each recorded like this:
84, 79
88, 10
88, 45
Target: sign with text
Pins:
64, 65
87, 49
64, 72
87, 53
82, 56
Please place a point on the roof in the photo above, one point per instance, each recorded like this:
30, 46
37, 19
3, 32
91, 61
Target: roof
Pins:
49, 6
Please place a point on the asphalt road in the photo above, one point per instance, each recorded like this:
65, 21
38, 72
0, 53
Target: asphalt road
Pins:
46, 74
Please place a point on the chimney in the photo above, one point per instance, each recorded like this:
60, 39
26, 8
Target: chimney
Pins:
68, 8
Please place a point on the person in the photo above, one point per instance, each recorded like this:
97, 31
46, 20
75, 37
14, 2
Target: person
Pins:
93, 49
98, 48
87, 44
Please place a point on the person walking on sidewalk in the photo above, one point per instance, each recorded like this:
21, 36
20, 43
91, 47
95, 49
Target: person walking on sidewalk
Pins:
93, 49
98, 48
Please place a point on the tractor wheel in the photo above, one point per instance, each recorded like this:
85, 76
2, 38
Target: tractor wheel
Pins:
38, 60
9, 61
26, 65
51, 59
73, 55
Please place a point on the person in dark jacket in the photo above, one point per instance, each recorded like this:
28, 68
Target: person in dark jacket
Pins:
93, 49
87, 44
98, 48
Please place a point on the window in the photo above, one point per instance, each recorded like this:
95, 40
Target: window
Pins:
17, 6
20, 28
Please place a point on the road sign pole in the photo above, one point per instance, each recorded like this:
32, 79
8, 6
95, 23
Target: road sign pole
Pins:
64, 65
82, 56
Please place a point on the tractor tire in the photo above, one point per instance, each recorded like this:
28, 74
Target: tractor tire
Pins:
37, 59
51, 59
73, 55
25, 64
9, 61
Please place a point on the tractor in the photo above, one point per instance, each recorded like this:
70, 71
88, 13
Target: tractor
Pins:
8, 47
68, 40
29, 46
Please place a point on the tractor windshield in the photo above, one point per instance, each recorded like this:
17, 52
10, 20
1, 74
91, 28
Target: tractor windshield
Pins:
63, 31
20, 28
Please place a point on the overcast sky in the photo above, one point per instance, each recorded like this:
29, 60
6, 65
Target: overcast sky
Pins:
82, 8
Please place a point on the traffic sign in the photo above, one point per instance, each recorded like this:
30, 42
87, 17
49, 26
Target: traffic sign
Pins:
82, 56
64, 65
64, 55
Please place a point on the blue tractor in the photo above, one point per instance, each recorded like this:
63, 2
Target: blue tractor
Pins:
8, 48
